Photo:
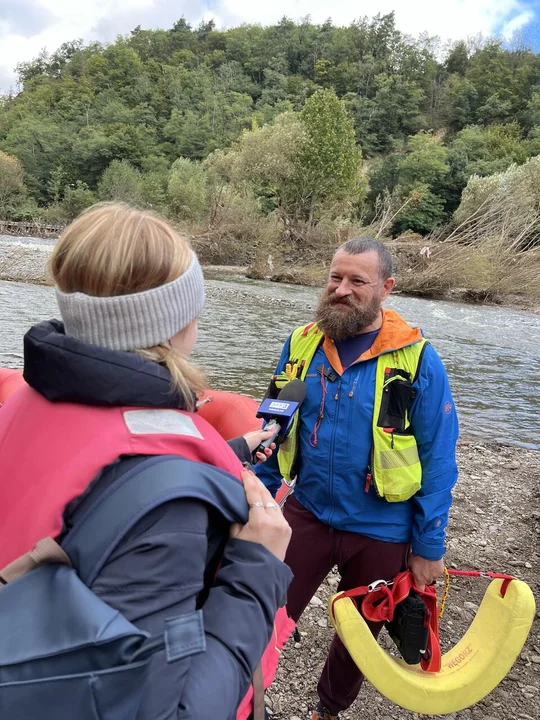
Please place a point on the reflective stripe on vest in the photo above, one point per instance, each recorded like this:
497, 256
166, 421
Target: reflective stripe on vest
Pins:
395, 469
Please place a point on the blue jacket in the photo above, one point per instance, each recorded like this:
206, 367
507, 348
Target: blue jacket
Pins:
167, 564
332, 476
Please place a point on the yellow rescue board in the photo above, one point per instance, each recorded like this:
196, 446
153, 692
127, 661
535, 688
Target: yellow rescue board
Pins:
469, 672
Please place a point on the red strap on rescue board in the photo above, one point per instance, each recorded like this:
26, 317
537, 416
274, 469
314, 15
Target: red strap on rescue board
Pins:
480, 573
381, 598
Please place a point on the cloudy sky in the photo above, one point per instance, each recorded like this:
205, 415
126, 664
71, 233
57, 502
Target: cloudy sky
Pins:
27, 26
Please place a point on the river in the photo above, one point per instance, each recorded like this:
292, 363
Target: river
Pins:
492, 354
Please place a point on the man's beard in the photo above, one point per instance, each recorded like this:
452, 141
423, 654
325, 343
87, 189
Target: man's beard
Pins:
340, 324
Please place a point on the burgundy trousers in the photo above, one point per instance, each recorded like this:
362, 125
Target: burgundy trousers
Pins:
313, 551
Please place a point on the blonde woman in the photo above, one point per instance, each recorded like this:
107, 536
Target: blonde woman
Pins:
106, 387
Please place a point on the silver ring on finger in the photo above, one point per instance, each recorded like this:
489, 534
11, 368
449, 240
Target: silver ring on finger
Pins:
257, 504
272, 505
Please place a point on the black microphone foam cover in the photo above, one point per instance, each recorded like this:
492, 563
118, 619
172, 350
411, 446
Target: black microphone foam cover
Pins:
293, 391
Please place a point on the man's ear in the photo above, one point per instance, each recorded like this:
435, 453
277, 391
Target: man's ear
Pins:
387, 287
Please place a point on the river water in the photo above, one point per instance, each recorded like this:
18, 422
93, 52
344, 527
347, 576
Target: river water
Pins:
492, 354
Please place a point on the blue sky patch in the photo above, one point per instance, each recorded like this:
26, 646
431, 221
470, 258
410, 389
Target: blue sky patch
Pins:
522, 25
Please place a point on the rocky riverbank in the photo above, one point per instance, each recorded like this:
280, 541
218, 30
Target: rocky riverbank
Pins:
25, 260
494, 526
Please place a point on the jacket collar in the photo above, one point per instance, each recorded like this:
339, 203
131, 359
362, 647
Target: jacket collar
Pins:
64, 369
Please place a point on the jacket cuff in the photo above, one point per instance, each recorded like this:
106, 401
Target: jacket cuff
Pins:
428, 552
240, 448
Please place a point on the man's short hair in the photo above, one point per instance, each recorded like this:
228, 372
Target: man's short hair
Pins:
360, 245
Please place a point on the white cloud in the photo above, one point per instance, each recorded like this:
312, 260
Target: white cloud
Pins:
86, 19
103, 19
450, 19
516, 24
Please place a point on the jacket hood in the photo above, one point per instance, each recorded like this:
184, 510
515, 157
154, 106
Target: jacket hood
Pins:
64, 369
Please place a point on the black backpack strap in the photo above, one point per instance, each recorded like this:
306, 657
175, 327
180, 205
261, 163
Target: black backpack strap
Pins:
152, 482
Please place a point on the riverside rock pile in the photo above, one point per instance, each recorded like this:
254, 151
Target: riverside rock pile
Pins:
24, 262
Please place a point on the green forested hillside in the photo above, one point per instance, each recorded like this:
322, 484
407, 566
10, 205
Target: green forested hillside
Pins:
133, 120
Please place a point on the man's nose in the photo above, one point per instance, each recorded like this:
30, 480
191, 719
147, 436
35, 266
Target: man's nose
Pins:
343, 289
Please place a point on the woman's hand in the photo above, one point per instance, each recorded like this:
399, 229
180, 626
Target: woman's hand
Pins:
255, 438
266, 524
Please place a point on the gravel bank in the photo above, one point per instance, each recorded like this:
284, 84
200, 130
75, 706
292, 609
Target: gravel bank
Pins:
24, 262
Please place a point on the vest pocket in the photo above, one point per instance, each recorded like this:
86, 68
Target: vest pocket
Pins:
396, 396
398, 470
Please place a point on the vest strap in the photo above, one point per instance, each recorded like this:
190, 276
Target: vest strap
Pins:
258, 693
45, 551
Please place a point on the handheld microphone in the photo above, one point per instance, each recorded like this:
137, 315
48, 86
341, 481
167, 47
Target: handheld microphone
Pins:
279, 412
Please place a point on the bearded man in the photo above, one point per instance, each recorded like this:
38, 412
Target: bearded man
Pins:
372, 450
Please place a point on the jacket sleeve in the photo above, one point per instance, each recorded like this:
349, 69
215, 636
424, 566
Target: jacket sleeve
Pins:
157, 573
268, 472
240, 448
434, 423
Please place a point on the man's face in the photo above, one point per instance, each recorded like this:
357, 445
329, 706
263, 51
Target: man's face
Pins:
352, 300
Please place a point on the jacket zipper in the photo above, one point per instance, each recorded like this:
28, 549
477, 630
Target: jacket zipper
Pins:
332, 443
370, 476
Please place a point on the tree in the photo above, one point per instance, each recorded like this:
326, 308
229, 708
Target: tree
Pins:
190, 133
120, 182
507, 202
329, 159
426, 161
188, 190
489, 150
155, 95
308, 162
421, 176
397, 110
458, 103
423, 210
457, 60
12, 187
532, 111
264, 161
76, 199
490, 71
40, 145
153, 188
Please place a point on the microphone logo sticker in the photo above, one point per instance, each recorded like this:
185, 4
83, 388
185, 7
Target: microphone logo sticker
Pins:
274, 405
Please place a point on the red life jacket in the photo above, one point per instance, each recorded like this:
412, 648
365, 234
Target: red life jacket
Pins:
50, 452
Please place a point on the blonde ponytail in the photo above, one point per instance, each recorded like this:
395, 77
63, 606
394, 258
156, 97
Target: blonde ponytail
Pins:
188, 380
